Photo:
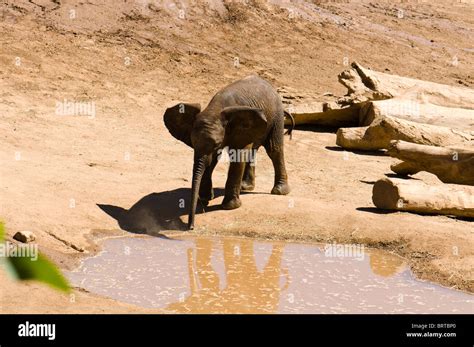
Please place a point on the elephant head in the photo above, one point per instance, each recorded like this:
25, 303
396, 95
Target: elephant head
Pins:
210, 130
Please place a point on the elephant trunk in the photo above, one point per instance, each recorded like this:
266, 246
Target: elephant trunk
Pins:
198, 171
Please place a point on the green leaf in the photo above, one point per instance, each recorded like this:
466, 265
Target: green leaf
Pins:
40, 269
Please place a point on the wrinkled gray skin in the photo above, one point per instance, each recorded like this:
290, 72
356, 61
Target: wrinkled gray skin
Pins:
244, 115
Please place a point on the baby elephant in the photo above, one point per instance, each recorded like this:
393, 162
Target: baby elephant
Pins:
242, 116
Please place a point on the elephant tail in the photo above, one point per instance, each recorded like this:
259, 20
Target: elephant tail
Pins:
290, 130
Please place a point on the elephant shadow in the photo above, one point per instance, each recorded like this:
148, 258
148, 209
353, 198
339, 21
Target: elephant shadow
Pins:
157, 211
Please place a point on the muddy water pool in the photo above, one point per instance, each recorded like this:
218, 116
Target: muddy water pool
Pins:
190, 274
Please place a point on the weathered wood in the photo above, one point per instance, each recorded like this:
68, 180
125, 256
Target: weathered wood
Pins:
385, 129
419, 112
365, 84
424, 102
451, 165
416, 196
322, 114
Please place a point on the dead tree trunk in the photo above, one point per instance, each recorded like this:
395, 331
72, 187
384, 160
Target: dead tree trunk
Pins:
449, 164
385, 129
364, 84
321, 114
416, 196
419, 112
425, 102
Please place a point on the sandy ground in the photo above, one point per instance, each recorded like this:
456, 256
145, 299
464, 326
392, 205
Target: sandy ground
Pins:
134, 59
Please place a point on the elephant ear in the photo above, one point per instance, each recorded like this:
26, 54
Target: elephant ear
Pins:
244, 125
179, 120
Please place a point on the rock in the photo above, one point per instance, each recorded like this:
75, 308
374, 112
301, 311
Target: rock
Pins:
25, 236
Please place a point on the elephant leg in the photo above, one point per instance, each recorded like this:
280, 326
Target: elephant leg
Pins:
248, 181
206, 193
274, 148
232, 186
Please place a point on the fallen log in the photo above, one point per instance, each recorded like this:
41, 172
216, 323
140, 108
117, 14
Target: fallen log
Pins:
419, 112
451, 165
424, 102
322, 113
364, 84
385, 129
416, 196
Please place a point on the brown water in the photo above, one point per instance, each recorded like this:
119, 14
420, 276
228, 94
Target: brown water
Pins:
234, 275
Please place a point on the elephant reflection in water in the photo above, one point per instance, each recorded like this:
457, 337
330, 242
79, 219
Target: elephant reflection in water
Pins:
386, 264
247, 290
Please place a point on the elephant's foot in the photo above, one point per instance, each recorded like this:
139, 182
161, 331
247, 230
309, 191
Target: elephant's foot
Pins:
207, 196
231, 204
281, 189
247, 186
